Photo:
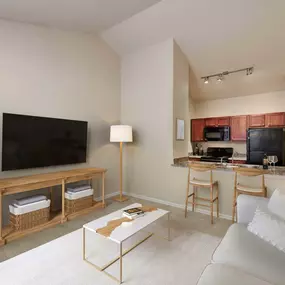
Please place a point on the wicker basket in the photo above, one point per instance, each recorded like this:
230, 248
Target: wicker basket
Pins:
30, 220
73, 206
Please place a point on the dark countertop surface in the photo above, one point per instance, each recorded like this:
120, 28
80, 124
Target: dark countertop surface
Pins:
279, 170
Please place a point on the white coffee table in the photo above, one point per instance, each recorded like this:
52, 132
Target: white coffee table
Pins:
122, 233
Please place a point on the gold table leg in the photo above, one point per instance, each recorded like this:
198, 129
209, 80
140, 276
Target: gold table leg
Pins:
120, 258
121, 263
83, 243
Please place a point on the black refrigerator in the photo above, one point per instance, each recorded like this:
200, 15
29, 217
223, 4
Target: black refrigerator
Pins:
265, 140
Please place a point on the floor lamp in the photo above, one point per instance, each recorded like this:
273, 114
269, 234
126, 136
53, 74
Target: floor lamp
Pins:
121, 133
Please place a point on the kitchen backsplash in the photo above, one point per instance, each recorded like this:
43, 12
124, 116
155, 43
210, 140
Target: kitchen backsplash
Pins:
238, 147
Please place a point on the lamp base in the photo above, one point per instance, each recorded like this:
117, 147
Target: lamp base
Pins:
120, 199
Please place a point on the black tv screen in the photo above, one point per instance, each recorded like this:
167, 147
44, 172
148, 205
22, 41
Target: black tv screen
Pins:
29, 142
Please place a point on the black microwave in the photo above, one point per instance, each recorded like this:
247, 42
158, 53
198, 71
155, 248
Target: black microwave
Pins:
217, 134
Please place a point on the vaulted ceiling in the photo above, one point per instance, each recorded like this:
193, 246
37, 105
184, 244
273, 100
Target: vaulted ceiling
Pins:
79, 15
216, 36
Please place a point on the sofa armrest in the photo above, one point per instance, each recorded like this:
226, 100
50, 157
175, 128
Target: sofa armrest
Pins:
246, 206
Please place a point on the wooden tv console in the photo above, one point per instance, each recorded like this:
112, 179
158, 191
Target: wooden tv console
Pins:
9, 186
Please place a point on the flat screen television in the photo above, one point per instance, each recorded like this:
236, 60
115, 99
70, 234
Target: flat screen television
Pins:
30, 142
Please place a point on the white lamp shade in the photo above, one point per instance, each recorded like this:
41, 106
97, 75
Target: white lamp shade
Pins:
121, 133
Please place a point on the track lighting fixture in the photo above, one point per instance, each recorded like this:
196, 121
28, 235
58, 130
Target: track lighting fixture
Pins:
220, 76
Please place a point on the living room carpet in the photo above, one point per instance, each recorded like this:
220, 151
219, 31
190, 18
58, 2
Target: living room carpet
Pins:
154, 262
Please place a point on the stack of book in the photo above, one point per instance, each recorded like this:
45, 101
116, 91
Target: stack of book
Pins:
77, 188
133, 213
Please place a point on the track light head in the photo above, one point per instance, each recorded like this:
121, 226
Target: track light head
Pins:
249, 71
220, 78
206, 80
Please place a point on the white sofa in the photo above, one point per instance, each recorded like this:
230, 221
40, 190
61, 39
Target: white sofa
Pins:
242, 257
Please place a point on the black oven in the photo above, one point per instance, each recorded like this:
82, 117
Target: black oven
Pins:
217, 134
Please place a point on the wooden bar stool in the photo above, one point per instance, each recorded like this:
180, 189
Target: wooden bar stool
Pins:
205, 184
247, 190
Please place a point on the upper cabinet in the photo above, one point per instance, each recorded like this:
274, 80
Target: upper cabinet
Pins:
238, 124
275, 120
223, 121
256, 121
238, 128
211, 122
197, 130
217, 122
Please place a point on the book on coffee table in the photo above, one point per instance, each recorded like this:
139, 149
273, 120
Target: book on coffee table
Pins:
133, 213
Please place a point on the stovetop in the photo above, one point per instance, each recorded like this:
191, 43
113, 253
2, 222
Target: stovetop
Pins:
214, 159
218, 154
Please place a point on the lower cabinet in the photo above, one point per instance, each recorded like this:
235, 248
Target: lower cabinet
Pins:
236, 161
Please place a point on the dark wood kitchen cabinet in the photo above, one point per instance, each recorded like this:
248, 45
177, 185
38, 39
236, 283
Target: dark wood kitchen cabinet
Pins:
256, 121
238, 128
197, 130
275, 120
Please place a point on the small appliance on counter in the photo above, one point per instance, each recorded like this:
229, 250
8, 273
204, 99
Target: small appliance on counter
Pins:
217, 133
218, 154
269, 141
198, 150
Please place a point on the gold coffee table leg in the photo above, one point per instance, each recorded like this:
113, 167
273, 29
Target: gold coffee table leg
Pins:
120, 258
83, 243
121, 263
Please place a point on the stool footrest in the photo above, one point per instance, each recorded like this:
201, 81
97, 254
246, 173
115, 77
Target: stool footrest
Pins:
198, 204
203, 199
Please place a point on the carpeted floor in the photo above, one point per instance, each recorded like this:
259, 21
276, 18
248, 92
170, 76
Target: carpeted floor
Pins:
156, 261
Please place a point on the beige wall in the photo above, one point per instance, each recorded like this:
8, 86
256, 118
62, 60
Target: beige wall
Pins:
253, 104
180, 100
147, 105
52, 73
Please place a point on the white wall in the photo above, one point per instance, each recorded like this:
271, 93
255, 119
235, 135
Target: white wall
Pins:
253, 104
52, 73
147, 105
180, 100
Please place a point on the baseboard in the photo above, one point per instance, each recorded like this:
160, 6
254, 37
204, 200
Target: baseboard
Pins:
180, 206
108, 196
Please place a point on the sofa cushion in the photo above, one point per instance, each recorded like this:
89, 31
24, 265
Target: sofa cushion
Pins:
268, 227
276, 203
219, 274
245, 251
246, 206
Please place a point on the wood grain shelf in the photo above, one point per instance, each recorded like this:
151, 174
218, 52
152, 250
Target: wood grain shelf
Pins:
11, 186
9, 234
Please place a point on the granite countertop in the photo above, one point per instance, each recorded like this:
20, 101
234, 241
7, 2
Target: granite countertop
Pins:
241, 157
279, 170
238, 158
194, 156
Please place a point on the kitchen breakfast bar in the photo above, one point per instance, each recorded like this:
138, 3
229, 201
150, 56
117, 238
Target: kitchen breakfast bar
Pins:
224, 174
